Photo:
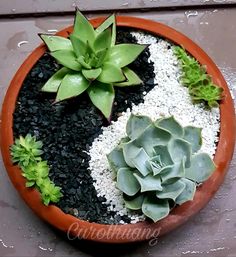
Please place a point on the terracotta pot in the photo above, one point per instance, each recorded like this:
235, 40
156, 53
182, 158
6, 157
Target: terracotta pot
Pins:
142, 230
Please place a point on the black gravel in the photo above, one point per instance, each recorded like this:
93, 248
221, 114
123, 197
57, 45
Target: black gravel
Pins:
69, 128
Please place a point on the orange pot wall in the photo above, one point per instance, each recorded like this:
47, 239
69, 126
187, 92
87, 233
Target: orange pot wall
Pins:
119, 233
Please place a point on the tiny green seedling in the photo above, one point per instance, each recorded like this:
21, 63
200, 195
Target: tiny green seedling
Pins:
194, 77
92, 62
158, 165
26, 152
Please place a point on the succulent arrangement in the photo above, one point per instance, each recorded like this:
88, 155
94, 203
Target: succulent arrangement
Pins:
195, 78
158, 165
26, 152
92, 62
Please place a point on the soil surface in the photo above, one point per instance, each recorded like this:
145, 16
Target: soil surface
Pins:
68, 129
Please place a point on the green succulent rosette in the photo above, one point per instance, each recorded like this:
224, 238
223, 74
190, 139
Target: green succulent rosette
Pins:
92, 62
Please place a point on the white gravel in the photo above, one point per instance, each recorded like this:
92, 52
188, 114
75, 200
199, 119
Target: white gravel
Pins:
168, 98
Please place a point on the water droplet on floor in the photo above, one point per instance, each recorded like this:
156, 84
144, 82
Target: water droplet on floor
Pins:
191, 13
52, 30
22, 43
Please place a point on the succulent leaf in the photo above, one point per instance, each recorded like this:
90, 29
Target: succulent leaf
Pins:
110, 21
171, 125
110, 73
79, 47
151, 137
149, 183
188, 192
171, 191
82, 62
201, 168
179, 149
140, 162
123, 54
101, 55
155, 209
136, 125
126, 182
173, 172
67, 58
116, 159
82, 28
132, 79
193, 136
160, 160
54, 82
135, 203
130, 150
91, 74
55, 43
164, 155
103, 40
102, 96
72, 85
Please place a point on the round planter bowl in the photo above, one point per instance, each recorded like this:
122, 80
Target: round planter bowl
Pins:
142, 230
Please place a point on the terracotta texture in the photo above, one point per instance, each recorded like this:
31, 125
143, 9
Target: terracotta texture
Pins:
112, 233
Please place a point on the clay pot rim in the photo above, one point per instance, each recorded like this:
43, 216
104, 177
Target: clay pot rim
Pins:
142, 230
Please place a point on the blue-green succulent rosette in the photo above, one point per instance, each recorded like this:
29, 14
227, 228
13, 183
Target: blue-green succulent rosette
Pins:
158, 165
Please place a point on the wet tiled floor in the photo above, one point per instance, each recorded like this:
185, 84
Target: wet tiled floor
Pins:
212, 232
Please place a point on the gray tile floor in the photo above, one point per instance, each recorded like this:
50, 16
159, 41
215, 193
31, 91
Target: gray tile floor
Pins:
212, 232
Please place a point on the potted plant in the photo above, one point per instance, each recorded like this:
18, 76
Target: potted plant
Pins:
115, 130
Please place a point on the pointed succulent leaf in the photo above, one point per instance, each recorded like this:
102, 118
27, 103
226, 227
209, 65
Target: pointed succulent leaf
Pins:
149, 183
130, 150
173, 172
135, 203
136, 125
111, 20
110, 73
55, 43
193, 136
171, 125
188, 192
101, 55
116, 159
180, 149
81, 61
102, 96
72, 85
126, 182
80, 47
151, 137
140, 161
171, 191
201, 168
132, 79
54, 82
162, 151
155, 209
103, 40
123, 54
91, 74
67, 58
82, 28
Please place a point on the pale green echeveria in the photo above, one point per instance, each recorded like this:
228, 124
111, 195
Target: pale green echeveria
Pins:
92, 62
158, 165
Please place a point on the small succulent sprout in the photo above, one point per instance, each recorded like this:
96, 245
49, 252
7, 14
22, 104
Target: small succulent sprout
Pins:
209, 93
92, 63
26, 152
158, 164
194, 76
